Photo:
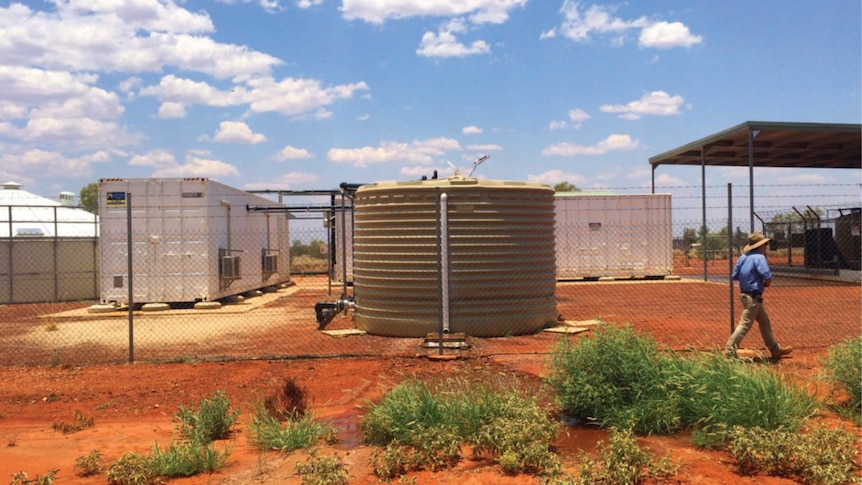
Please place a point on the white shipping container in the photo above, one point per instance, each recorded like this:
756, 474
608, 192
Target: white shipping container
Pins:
343, 245
193, 239
613, 235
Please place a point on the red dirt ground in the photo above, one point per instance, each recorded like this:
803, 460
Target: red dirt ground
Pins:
132, 404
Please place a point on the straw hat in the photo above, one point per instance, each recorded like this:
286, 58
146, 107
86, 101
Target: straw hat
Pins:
755, 240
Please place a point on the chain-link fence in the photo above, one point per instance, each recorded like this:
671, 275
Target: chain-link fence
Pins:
206, 288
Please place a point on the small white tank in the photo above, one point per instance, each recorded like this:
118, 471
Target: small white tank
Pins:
502, 269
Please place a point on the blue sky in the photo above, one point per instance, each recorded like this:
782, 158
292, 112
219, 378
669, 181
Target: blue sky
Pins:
306, 94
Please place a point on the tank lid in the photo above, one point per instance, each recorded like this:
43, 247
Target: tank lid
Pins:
454, 181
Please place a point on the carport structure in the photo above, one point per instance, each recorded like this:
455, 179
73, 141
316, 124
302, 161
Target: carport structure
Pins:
769, 144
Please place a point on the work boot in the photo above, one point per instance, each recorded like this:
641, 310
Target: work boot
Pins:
782, 351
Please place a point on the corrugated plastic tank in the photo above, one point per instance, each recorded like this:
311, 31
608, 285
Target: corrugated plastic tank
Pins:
501, 257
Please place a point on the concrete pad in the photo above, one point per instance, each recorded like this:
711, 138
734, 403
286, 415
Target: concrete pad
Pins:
566, 329
673, 277
343, 333
155, 307
101, 309
442, 357
207, 305
583, 323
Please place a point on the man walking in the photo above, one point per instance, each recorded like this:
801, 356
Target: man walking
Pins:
752, 272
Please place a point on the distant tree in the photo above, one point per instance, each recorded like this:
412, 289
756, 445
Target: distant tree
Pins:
689, 236
797, 224
740, 239
297, 248
89, 200
314, 248
565, 187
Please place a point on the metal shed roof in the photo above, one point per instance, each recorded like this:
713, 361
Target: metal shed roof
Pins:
769, 144
773, 144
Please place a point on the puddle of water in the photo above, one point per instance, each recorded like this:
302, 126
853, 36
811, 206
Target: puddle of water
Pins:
349, 433
573, 439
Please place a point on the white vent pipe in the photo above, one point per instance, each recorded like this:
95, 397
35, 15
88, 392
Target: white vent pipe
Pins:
444, 257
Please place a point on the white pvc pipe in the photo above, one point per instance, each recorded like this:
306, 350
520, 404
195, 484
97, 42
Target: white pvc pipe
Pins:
444, 257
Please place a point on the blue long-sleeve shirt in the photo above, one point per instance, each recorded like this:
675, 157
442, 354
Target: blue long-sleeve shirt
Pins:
751, 271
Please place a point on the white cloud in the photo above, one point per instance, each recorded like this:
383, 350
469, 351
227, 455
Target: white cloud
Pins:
292, 153
290, 180
363, 118
471, 130
56, 93
154, 158
657, 103
297, 96
416, 171
132, 37
303, 4
665, 180
478, 11
445, 44
76, 134
289, 96
170, 109
666, 35
417, 152
195, 166
582, 25
611, 143
40, 161
553, 177
484, 148
577, 116
237, 132
270, 6
557, 125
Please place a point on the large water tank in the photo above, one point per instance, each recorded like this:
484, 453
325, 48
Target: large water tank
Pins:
501, 272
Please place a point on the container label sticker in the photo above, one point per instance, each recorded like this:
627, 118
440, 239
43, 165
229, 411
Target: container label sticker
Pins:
595, 226
193, 195
116, 199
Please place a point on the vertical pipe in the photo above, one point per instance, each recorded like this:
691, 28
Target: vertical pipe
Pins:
329, 249
730, 248
343, 247
751, 135
129, 273
444, 257
56, 248
11, 266
439, 275
703, 209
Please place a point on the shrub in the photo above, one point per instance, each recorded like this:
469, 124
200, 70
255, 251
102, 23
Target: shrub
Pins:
21, 478
618, 378
715, 393
325, 470
419, 427
89, 464
614, 378
622, 462
212, 421
187, 459
820, 456
843, 366
269, 433
131, 469
81, 422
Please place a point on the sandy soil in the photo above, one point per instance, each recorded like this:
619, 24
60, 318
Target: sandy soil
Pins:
132, 404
